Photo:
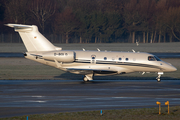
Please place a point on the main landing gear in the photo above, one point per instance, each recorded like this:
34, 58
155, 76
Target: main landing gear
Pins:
159, 76
88, 77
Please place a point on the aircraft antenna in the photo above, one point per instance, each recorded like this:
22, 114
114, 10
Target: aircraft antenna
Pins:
133, 50
137, 42
98, 49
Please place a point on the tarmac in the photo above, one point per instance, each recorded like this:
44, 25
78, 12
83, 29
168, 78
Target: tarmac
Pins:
24, 97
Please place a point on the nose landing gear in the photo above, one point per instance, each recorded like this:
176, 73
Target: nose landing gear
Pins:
159, 76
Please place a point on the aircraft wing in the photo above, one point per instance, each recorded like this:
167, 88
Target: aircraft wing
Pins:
90, 71
98, 71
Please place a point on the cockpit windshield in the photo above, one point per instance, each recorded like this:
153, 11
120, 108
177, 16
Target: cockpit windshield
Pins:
153, 58
157, 58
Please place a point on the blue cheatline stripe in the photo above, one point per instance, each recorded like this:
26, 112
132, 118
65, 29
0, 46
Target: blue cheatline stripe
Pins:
114, 63
120, 63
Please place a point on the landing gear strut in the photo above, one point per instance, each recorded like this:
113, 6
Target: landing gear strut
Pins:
88, 77
159, 76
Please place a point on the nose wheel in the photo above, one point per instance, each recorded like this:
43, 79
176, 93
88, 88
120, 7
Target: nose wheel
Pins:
159, 76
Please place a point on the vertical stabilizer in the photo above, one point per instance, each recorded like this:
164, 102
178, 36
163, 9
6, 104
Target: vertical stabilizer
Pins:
32, 38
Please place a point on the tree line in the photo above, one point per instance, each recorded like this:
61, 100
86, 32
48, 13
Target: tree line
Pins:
97, 21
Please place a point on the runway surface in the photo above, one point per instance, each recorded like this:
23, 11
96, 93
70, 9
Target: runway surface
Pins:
24, 97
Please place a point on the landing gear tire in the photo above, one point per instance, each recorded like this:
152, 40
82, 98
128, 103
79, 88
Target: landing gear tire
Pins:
158, 80
85, 79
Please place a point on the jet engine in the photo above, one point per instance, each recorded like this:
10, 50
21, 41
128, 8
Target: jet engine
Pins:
61, 56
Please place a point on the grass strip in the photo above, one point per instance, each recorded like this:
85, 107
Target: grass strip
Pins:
123, 114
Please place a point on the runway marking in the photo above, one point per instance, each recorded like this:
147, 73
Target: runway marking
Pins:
38, 96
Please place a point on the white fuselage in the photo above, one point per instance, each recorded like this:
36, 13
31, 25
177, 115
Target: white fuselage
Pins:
101, 62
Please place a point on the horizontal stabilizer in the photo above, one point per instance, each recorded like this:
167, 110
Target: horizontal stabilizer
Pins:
19, 27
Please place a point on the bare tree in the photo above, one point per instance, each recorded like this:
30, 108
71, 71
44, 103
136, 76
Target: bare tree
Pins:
172, 19
66, 22
133, 17
42, 10
16, 11
111, 5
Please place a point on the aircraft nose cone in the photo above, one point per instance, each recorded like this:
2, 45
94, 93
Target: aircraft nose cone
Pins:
173, 68
170, 67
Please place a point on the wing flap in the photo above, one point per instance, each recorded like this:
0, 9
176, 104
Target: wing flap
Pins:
90, 71
112, 70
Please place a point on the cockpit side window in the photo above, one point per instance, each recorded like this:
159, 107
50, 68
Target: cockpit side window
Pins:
151, 58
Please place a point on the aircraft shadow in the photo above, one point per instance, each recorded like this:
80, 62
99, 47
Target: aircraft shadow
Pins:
70, 76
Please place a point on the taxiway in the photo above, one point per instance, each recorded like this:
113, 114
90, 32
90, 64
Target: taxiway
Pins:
23, 97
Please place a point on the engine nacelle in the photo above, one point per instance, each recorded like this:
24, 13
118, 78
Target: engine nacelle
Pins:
61, 56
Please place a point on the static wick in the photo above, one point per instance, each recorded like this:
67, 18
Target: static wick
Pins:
98, 49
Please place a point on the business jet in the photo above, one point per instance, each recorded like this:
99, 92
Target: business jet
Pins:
87, 63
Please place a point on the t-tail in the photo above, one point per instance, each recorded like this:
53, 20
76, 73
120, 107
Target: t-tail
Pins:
32, 38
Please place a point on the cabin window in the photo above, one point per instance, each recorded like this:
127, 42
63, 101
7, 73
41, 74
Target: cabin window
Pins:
93, 58
127, 59
120, 58
105, 58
